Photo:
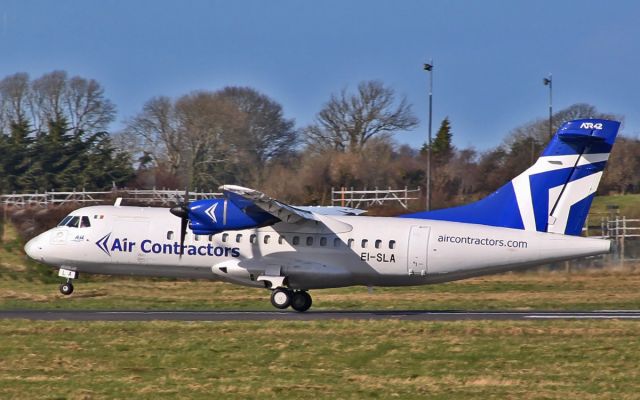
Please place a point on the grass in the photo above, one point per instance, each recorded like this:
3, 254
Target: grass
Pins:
551, 290
320, 360
629, 205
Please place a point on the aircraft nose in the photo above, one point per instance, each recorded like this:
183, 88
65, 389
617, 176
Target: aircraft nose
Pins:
33, 248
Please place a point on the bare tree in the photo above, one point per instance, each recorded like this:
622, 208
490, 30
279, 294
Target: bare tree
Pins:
269, 134
46, 99
208, 127
348, 121
14, 99
87, 107
196, 136
78, 102
214, 137
156, 124
538, 130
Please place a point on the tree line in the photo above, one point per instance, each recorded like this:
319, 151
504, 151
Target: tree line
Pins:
54, 133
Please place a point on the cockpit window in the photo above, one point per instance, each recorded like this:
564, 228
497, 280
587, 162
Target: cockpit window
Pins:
73, 222
64, 221
85, 223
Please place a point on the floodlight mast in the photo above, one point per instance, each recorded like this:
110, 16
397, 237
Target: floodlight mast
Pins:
429, 68
548, 81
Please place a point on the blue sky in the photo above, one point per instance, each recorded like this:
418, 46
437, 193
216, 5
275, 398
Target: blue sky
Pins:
490, 56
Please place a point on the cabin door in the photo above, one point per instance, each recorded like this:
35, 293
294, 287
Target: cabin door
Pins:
418, 250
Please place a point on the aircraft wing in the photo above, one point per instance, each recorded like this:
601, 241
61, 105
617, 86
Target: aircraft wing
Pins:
249, 199
331, 210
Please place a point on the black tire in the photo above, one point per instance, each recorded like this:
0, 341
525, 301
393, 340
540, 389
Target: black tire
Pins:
281, 298
301, 301
66, 288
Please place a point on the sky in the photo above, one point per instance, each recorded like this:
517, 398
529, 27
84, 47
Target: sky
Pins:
489, 56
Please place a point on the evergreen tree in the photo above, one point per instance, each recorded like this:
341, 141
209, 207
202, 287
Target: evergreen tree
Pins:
441, 148
16, 155
103, 166
68, 160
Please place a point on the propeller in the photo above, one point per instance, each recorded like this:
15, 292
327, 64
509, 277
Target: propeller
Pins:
181, 210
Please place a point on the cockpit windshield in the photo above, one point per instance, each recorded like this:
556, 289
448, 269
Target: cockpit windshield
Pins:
64, 221
75, 221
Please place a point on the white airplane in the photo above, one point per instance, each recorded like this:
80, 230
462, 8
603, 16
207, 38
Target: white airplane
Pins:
250, 239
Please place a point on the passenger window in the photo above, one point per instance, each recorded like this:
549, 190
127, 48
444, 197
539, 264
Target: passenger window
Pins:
296, 240
309, 240
73, 222
64, 221
378, 243
350, 243
364, 243
323, 241
281, 239
170, 235
336, 242
238, 237
85, 223
225, 237
252, 239
266, 239
392, 244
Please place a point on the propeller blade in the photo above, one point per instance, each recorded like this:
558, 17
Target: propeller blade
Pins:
184, 214
183, 232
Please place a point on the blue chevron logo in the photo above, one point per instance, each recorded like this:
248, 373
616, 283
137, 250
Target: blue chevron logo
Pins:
103, 243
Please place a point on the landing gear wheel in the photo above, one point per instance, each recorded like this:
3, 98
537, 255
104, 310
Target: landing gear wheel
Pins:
66, 288
301, 301
281, 298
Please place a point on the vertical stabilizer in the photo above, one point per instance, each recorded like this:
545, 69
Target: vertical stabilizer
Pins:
554, 194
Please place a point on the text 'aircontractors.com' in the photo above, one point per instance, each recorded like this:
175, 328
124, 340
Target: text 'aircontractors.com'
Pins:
514, 244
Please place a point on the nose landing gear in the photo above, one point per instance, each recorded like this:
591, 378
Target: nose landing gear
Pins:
300, 300
67, 287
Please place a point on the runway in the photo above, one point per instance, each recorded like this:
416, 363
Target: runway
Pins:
405, 315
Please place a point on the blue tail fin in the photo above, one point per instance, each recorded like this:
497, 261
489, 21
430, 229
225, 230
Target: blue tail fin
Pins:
554, 194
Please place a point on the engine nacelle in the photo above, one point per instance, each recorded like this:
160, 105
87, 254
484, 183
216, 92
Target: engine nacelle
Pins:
211, 216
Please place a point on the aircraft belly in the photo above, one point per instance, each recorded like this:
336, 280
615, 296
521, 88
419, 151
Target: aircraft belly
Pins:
168, 271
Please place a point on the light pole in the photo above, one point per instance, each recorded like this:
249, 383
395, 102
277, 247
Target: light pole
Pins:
548, 81
429, 68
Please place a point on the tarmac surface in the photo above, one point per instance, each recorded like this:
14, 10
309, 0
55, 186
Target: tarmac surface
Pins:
409, 315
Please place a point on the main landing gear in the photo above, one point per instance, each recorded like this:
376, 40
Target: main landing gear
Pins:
299, 300
67, 287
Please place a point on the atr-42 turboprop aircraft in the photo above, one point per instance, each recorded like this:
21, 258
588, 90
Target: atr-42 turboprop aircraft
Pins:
250, 239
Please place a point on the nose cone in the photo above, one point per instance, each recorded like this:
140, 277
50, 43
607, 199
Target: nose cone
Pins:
33, 248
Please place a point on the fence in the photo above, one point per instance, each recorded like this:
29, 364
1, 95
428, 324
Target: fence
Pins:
358, 198
624, 232
162, 197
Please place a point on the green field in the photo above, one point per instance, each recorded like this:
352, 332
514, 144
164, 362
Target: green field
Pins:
331, 359
588, 290
629, 205
320, 360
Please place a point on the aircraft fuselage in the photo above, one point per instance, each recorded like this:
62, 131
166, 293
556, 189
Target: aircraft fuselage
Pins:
332, 252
